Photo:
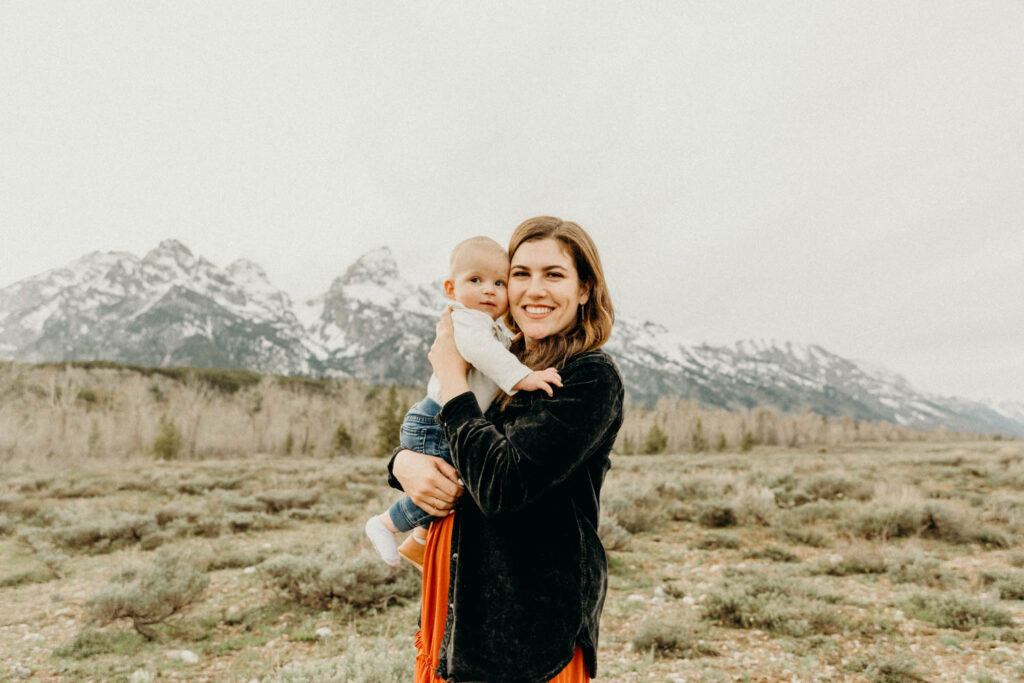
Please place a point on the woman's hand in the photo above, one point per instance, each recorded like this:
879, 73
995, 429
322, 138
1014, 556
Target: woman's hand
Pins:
448, 364
429, 481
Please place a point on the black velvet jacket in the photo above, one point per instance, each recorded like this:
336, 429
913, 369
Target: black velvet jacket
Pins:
528, 571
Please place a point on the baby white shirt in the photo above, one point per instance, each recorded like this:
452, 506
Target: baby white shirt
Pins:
484, 343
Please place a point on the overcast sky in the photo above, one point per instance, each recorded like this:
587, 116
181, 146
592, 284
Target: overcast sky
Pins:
846, 174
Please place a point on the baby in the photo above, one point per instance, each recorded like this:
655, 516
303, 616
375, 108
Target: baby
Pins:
477, 287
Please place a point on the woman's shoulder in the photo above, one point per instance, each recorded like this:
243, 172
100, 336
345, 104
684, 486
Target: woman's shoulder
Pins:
595, 363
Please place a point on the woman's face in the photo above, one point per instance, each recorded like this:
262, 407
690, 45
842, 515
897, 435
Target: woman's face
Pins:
544, 289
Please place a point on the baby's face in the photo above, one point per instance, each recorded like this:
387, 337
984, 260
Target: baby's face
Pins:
480, 282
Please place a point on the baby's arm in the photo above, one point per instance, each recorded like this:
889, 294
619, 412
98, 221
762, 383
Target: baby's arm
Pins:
540, 379
476, 343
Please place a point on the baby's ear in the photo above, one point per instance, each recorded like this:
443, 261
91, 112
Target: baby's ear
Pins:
449, 289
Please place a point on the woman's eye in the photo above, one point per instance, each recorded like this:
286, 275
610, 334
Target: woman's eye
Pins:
520, 273
553, 274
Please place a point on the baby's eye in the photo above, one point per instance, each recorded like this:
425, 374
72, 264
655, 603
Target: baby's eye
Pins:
499, 283
474, 279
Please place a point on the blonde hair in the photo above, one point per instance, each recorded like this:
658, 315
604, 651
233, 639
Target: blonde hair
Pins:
594, 319
466, 245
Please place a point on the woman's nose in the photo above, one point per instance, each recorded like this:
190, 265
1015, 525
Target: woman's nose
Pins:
536, 287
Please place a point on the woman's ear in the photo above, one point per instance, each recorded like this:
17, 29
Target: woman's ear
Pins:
449, 289
584, 295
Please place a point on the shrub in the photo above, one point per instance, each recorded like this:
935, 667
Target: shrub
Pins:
922, 570
177, 511
149, 596
7, 525
22, 578
1009, 584
817, 511
154, 540
636, 513
772, 604
46, 553
716, 515
773, 553
239, 522
884, 669
239, 503
235, 559
613, 536
715, 541
92, 642
327, 580
276, 501
361, 662
674, 636
104, 535
857, 560
167, 445
754, 505
956, 525
951, 610
835, 486
887, 521
808, 536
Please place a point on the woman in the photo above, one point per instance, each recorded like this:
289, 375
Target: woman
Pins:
515, 578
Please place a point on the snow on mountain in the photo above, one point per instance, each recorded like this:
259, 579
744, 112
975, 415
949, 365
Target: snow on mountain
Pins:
173, 308
168, 307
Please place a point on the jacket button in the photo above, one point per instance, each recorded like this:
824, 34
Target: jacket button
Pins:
455, 556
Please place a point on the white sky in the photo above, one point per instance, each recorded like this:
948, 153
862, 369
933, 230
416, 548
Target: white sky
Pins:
848, 174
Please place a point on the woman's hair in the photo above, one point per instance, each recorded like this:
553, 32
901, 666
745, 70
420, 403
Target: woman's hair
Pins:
594, 319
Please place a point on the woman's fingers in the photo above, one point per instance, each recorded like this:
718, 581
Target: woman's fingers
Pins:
448, 471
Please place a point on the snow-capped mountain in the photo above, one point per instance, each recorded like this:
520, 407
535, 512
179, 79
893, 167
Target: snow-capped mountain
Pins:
172, 308
167, 308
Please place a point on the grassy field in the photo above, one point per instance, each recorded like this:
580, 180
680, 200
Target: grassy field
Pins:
872, 562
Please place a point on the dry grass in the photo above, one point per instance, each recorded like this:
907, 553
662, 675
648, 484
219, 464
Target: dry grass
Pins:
778, 564
279, 541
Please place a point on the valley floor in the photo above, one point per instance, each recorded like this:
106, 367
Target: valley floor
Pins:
884, 562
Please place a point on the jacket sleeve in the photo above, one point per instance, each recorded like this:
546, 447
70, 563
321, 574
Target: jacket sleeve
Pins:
539, 448
476, 343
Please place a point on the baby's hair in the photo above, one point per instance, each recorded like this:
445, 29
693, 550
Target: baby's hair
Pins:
467, 245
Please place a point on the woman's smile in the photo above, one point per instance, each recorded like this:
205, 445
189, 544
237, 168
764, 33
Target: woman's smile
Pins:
537, 310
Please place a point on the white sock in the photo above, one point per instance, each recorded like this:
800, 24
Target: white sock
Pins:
383, 541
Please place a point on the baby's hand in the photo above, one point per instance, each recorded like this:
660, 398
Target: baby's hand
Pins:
540, 379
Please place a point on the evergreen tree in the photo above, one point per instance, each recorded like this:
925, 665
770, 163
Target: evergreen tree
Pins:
697, 438
168, 439
341, 444
389, 425
748, 441
656, 441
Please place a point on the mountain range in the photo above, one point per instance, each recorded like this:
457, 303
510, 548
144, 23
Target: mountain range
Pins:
171, 307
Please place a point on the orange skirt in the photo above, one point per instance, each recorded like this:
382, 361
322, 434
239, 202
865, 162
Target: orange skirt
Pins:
435, 610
